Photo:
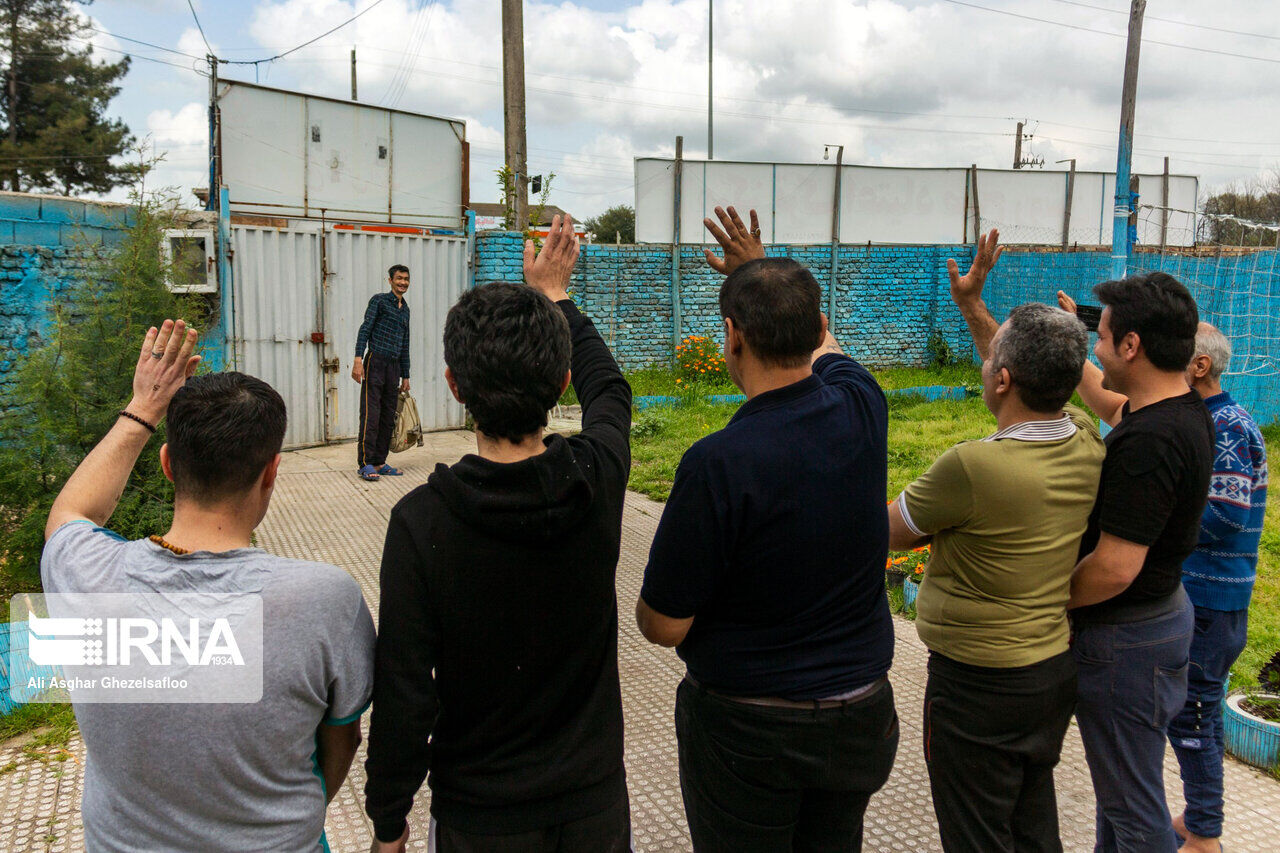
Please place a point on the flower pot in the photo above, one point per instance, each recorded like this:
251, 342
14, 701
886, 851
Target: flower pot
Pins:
1249, 738
910, 589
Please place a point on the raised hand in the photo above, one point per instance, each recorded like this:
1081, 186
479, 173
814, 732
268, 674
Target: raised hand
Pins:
1066, 303
549, 270
969, 287
164, 365
739, 244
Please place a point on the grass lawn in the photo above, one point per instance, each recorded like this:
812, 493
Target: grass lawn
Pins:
919, 431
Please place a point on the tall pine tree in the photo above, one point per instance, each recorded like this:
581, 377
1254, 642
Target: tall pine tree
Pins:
53, 99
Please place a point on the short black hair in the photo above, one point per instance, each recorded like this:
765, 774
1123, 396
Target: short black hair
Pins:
508, 347
777, 306
1160, 310
222, 430
395, 268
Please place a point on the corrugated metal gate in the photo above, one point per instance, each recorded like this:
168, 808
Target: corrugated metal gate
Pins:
300, 297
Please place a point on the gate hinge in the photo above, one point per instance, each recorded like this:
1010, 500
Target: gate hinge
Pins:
330, 365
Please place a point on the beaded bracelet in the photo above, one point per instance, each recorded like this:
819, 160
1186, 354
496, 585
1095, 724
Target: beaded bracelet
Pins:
131, 416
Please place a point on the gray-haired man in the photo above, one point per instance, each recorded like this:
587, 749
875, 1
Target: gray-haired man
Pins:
1005, 515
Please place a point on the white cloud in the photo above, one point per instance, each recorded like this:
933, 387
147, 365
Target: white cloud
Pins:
898, 82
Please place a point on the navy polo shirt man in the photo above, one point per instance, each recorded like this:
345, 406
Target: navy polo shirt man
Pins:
767, 575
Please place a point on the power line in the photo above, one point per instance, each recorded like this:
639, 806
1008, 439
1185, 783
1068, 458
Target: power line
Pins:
144, 43
1169, 20
192, 7
1111, 34
282, 55
137, 55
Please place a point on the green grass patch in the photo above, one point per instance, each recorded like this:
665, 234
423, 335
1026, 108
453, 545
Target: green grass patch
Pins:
1264, 611
54, 724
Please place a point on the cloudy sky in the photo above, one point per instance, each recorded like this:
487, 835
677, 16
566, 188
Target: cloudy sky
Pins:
897, 82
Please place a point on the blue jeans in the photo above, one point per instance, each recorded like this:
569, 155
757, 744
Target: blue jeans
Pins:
1196, 733
1133, 680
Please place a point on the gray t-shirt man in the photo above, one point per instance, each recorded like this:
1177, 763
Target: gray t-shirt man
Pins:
220, 776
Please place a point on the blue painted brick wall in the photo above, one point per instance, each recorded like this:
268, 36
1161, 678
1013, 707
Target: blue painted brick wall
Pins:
890, 299
46, 244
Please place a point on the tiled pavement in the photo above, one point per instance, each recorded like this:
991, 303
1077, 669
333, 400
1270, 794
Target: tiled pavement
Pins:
322, 511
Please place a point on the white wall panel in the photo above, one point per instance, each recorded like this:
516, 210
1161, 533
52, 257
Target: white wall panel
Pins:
902, 205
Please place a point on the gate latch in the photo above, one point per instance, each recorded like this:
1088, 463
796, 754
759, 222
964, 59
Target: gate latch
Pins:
330, 365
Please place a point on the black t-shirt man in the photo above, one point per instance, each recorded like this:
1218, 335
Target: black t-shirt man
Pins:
1154, 485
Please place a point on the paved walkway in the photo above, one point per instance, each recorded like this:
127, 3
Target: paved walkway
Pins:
322, 511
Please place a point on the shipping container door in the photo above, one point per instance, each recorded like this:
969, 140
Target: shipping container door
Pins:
277, 275
357, 262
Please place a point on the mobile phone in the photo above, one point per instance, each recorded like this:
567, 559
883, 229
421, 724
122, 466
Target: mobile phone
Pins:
1090, 315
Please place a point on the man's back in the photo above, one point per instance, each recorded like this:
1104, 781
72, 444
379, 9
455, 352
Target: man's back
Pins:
775, 536
499, 628
230, 776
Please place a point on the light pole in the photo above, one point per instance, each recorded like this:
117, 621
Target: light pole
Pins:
711, 148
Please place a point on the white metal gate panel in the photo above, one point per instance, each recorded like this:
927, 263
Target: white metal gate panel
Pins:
357, 263
277, 276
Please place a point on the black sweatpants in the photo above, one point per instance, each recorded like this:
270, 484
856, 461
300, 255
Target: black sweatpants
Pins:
378, 394
781, 780
991, 740
608, 831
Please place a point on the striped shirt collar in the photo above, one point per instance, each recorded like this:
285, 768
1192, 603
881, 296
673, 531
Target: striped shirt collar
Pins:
1054, 430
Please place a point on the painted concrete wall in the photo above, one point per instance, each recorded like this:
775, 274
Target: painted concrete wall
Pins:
890, 299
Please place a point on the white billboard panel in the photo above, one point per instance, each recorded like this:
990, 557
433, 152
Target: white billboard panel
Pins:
900, 205
885, 205
287, 154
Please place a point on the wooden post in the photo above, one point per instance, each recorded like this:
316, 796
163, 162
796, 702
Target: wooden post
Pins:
513, 105
1124, 149
1164, 200
835, 240
678, 170
977, 211
1017, 148
353, 73
1066, 214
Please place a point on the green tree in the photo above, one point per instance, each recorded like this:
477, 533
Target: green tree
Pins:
1233, 211
614, 221
53, 99
69, 391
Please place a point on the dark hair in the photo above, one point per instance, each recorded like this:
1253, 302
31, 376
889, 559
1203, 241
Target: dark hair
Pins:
777, 305
1160, 310
395, 268
508, 347
222, 430
1044, 350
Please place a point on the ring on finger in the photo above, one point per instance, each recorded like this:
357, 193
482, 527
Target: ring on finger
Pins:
755, 232
157, 353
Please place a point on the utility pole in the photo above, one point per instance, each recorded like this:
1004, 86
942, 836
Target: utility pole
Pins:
1066, 212
513, 105
1017, 148
215, 138
711, 148
353, 72
13, 90
1124, 150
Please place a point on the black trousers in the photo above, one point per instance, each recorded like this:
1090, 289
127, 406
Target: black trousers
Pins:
781, 779
991, 740
378, 394
606, 832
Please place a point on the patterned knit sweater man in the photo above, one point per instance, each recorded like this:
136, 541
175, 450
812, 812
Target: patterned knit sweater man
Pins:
1218, 577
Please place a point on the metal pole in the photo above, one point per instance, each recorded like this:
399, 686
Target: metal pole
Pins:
675, 247
513, 104
835, 240
1017, 148
1124, 150
1066, 213
711, 148
1164, 214
353, 73
213, 197
977, 211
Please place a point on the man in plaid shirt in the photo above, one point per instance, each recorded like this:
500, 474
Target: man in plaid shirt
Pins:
385, 333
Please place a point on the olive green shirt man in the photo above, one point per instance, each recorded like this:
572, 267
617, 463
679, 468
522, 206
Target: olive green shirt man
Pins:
1006, 514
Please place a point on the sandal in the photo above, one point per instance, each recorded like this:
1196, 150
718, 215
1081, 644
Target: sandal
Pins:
368, 473
389, 471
